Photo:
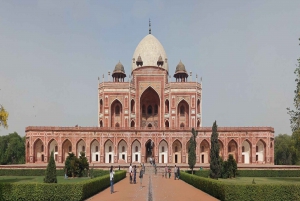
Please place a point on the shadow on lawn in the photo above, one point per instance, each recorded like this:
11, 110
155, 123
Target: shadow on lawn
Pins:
285, 179
13, 180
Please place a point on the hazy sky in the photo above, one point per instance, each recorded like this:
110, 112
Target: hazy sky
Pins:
52, 52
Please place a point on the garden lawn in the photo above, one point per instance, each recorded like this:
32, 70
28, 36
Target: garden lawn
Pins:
262, 180
39, 179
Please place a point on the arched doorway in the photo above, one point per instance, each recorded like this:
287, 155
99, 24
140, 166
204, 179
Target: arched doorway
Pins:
246, 152
150, 107
260, 151
66, 149
52, 146
95, 151
233, 149
163, 152
136, 152
183, 114
149, 150
122, 151
80, 147
204, 152
176, 149
116, 114
109, 152
38, 151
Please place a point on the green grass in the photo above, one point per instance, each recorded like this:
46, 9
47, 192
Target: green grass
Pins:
262, 180
38, 179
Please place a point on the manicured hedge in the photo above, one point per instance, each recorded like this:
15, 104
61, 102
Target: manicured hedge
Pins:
245, 192
255, 173
43, 191
41, 172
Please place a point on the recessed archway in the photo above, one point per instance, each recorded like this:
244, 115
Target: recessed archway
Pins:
80, 147
66, 149
176, 151
150, 107
204, 152
149, 150
136, 152
233, 149
260, 151
108, 152
122, 152
52, 146
246, 152
163, 152
38, 151
95, 151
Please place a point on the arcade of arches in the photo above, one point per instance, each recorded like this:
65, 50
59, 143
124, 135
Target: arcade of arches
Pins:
163, 148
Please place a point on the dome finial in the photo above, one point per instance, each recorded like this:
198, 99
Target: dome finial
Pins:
149, 26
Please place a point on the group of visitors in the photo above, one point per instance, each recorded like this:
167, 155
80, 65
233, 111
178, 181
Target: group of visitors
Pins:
168, 172
132, 174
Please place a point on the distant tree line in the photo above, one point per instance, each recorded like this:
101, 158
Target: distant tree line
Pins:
12, 149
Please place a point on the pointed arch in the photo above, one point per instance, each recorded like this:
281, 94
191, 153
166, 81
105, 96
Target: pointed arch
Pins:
187, 151
116, 113
204, 151
132, 124
167, 106
167, 125
149, 150
66, 149
183, 113
37, 148
53, 146
108, 151
132, 106
163, 151
246, 151
261, 151
150, 107
95, 151
80, 147
136, 151
233, 149
176, 151
101, 106
221, 149
122, 151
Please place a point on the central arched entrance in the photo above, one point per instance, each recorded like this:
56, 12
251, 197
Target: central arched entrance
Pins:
150, 107
149, 150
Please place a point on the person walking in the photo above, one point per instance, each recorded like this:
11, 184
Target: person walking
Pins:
134, 174
166, 171
175, 172
111, 177
141, 176
169, 170
178, 172
130, 174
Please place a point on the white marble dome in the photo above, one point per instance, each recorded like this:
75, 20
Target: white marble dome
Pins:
149, 49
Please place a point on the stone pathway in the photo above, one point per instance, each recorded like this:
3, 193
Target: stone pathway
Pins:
155, 188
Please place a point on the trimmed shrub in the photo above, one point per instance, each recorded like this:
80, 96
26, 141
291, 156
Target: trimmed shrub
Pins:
42, 191
245, 192
41, 172
51, 171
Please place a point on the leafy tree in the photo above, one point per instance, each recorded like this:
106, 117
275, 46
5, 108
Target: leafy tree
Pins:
295, 114
192, 150
285, 151
72, 165
3, 117
83, 163
215, 167
12, 149
51, 171
232, 166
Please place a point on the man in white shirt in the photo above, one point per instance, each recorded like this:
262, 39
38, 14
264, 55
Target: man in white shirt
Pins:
130, 173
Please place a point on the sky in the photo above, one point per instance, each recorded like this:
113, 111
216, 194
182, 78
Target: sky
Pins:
52, 53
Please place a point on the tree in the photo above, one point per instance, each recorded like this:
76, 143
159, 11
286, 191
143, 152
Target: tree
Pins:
295, 114
12, 149
232, 166
3, 117
192, 150
51, 171
72, 165
215, 166
285, 151
83, 163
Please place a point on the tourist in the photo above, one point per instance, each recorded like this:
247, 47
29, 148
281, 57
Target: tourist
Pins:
175, 172
130, 173
141, 176
111, 176
166, 171
134, 174
178, 172
169, 170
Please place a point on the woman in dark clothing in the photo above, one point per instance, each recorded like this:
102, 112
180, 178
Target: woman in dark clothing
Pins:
134, 174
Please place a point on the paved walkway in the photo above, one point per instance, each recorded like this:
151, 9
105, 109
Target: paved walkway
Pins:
155, 188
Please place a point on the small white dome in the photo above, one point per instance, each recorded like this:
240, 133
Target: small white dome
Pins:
149, 49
